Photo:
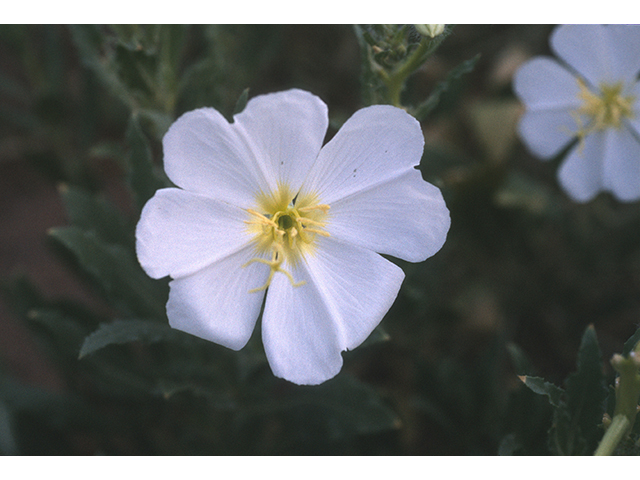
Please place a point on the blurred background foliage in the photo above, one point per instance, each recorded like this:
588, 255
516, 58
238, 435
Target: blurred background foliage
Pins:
528, 284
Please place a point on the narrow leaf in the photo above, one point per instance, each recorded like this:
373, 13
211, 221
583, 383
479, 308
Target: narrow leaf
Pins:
63, 333
143, 179
242, 102
125, 331
340, 407
116, 270
453, 79
539, 386
89, 42
94, 213
630, 344
576, 428
352, 404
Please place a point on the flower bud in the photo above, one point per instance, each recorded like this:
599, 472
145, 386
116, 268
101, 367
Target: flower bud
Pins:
430, 30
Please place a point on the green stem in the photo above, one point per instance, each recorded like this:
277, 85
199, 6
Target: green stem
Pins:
395, 81
615, 433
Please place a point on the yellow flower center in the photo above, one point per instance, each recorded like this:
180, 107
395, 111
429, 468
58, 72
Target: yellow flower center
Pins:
285, 226
605, 110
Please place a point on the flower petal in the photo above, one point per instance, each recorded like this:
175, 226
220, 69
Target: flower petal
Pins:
275, 139
634, 90
543, 84
347, 292
204, 154
406, 218
622, 164
600, 53
376, 144
287, 129
215, 303
180, 233
547, 132
581, 172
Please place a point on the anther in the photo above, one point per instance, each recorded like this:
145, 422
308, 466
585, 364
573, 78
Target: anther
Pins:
285, 232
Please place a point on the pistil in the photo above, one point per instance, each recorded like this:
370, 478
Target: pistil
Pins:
285, 230
604, 110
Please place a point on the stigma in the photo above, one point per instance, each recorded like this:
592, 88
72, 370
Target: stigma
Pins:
604, 109
284, 227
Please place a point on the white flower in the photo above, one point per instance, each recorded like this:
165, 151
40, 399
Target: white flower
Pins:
431, 30
593, 96
263, 207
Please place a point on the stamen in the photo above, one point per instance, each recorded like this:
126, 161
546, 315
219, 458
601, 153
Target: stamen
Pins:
323, 207
274, 264
318, 232
285, 230
261, 220
302, 220
604, 109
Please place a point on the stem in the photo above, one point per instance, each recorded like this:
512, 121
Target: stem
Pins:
395, 81
627, 394
615, 433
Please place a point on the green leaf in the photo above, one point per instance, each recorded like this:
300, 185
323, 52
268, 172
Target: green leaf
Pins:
309, 416
242, 101
125, 331
351, 404
137, 37
48, 415
94, 213
521, 362
89, 42
8, 443
64, 332
61, 325
379, 335
449, 84
144, 179
630, 344
576, 428
508, 445
539, 386
372, 86
172, 41
116, 270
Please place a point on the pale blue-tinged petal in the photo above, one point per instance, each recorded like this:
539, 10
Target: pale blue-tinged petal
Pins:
405, 217
204, 154
375, 145
274, 139
581, 172
543, 84
622, 164
624, 45
215, 304
347, 292
287, 129
634, 121
600, 53
180, 232
547, 132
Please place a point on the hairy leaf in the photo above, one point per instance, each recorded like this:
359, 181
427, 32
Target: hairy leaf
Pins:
144, 179
94, 213
576, 428
125, 331
539, 386
116, 270
630, 344
452, 80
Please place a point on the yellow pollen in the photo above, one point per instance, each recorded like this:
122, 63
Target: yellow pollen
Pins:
285, 226
604, 110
